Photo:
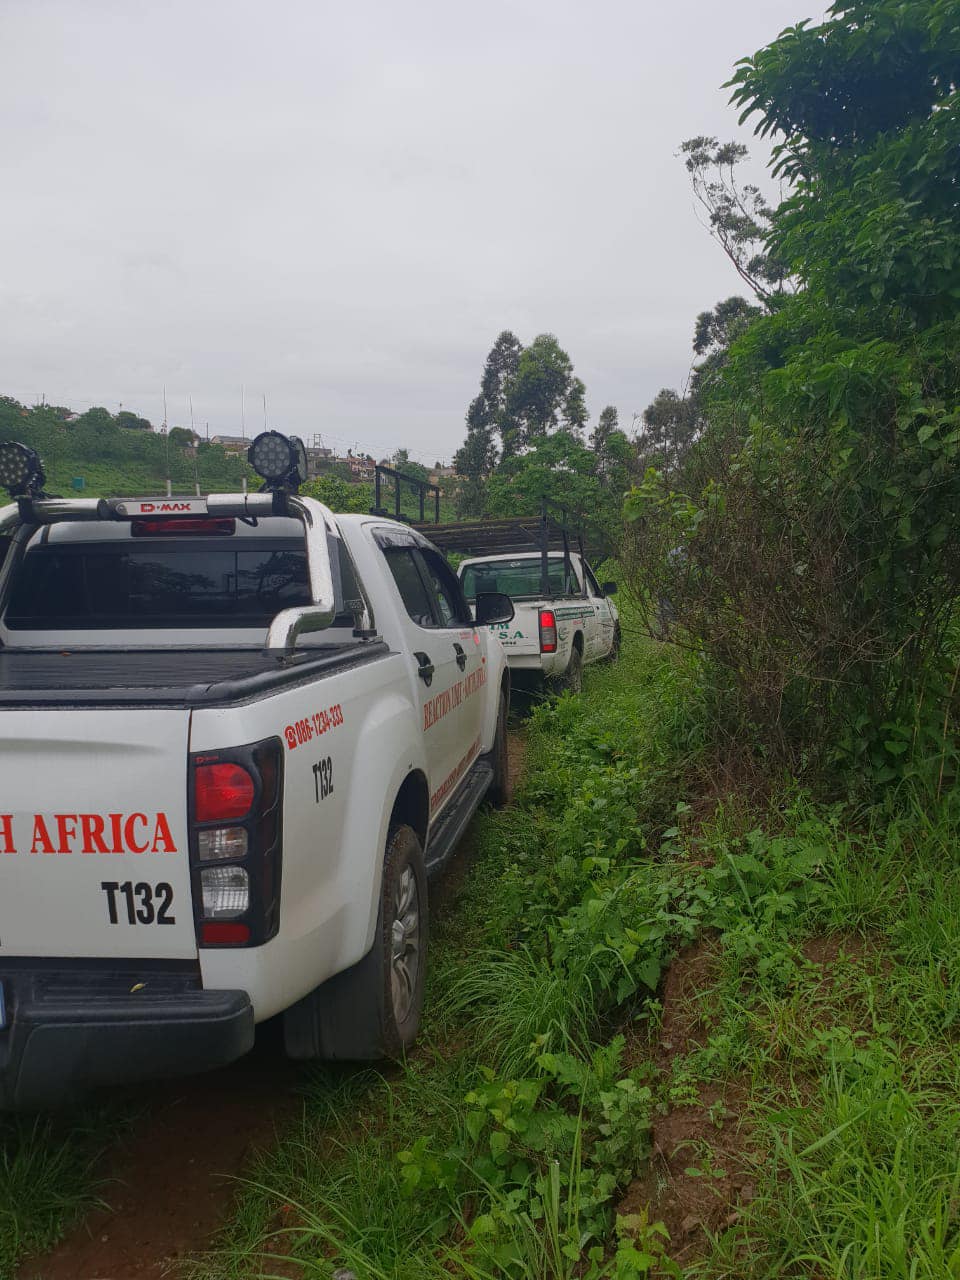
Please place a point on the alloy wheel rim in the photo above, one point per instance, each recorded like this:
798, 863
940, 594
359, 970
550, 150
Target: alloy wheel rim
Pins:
405, 944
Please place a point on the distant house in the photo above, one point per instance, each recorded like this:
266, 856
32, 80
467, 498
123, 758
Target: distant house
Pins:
233, 446
361, 468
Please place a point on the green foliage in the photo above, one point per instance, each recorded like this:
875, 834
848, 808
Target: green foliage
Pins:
542, 394
338, 495
817, 564
113, 459
531, 399
47, 1178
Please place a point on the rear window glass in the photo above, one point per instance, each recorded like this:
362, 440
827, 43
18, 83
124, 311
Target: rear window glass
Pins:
142, 585
518, 578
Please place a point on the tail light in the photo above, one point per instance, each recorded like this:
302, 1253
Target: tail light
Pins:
236, 810
548, 631
184, 526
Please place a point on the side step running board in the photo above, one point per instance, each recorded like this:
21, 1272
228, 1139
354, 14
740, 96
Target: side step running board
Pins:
446, 835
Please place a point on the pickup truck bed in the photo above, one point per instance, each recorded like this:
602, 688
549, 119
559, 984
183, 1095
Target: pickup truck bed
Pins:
166, 677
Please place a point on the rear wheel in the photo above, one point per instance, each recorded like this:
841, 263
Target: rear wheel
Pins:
614, 653
373, 1009
572, 679
499, 792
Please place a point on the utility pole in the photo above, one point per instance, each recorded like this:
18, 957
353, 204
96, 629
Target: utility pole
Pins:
166, 442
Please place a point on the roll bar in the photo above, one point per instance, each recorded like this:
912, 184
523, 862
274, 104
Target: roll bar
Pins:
322, 539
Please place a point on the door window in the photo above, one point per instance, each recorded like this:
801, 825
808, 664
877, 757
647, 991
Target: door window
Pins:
410, 584
592, 582
453, 611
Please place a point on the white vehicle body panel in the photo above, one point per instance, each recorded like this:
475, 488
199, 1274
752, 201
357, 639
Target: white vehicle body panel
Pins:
589, 618
87, 800
89, 773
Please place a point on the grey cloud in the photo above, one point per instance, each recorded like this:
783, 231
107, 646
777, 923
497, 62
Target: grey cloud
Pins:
341, 206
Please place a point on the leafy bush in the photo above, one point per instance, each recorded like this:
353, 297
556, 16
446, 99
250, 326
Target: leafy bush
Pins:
814, 558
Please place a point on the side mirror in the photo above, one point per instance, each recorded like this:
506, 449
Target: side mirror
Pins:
493, 607
608, 588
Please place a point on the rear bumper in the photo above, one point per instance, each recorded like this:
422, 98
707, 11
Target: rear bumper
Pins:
528, 670
72, 1029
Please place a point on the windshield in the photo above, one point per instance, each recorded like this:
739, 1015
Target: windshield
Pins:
519, 578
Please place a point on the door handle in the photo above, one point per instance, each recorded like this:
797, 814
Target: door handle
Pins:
425, 668
461, 656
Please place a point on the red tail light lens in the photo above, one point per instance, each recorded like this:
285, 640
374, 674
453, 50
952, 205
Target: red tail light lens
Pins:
221, 792
236, 843
548, 631
185, 526
219, 934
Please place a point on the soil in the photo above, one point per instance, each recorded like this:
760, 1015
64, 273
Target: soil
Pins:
708, 1136
171, 1184
713, 1135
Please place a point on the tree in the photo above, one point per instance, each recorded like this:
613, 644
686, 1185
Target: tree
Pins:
670, 422
132, 422
182, 437
401, 461
608, 421
542, 395
817, 511
738, 215
97, 418
477, 456
558, 467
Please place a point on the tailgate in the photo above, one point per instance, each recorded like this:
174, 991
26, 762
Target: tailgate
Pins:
520, 636
94, 859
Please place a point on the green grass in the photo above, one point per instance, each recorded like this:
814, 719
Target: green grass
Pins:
498, 1148
48, 1177
502, 1148
581, 895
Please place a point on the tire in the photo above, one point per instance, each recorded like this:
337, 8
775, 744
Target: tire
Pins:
572, 679
614, 653
372, 1010
498, 793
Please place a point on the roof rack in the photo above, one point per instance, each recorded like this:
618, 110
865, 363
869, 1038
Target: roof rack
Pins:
551, 530
423, 487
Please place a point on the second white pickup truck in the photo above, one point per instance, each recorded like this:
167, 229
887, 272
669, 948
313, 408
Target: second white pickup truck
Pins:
564, 619
237, 734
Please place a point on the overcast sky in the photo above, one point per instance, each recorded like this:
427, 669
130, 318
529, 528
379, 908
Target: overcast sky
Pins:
341, 205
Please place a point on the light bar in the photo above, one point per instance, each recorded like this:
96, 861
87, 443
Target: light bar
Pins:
21, 471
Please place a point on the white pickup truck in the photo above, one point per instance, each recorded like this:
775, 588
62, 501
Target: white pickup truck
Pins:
237, 734
564, 617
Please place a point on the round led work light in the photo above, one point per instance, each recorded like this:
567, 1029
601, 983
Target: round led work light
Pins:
21, 471
281, 460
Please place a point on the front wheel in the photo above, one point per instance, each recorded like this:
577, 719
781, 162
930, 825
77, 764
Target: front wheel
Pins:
499, 791
372, 1010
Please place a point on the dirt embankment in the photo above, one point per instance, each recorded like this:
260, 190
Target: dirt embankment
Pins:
701, 1172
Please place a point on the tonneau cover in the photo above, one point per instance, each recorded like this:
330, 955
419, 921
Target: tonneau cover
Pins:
165, 677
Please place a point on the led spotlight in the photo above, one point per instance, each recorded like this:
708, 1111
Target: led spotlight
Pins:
281, 460
21, 471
